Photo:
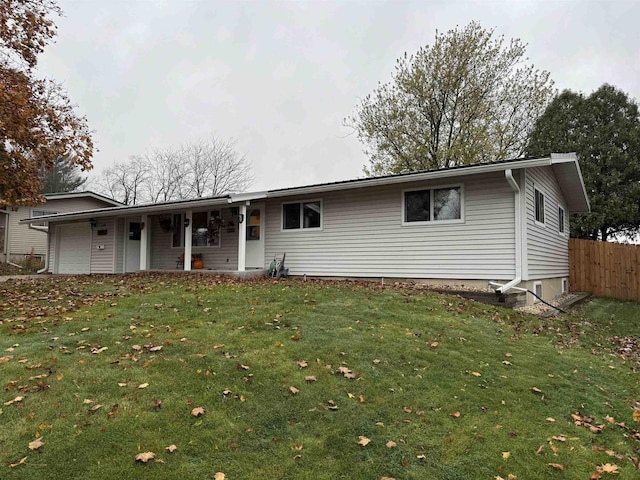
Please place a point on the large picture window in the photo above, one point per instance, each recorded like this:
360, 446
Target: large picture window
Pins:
436, 204
302, 215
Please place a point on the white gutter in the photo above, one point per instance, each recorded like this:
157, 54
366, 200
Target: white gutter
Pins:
46, 255
518, 233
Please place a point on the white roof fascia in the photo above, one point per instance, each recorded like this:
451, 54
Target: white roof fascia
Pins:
65, 196
247, 197
437, 174
129, 210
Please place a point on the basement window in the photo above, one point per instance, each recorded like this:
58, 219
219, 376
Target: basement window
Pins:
537, 289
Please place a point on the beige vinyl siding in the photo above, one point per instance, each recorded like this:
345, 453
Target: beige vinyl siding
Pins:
164, 256
362, 234
119, 240
24, 239
547, 249
102, 259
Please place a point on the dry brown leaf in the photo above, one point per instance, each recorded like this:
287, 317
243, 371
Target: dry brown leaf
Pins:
387, 478
391, 444
421, 457
86, 401
507, 363
5, 359
636, 415
376, 361
143, 385
609, 468
455, 414
145, 457
136, 347
536, 389
595, 476
293, 390
171, 448
36, 444
361, 399
539, 450
557, 466
15, 400
156, 349
17, 464
302, 363
243, 367
364, 441
197, 412
95, 408
310, 378
610, 419
476, 374
549, 419
219, 476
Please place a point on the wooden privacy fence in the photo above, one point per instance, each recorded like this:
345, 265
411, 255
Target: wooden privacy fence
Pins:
605, 269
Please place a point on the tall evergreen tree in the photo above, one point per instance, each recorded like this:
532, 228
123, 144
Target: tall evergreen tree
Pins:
63, 177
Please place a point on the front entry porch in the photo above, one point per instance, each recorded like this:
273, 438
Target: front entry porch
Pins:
218, 239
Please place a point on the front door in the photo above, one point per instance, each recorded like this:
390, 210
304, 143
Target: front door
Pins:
255, 237
132, 246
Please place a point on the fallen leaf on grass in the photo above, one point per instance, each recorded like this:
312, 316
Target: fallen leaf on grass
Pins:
95, 351
171, 448
156, 349
549, 419
476, 374
364, 441
455, 414
376, 361
361, 398
387, 478
15, 400
145, 457
143, 385
636, 415
302, 363
557, 466
22, 461
421, 457
36, 444
95, 408
197, 412
310, 378
219, 476
536, 389
293, 390
5, 359
609, 468
391, 444
506, 455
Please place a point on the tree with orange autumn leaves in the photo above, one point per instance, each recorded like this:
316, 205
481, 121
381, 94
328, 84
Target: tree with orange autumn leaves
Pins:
38, 122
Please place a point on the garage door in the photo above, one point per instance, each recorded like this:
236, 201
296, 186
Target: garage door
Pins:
74, 254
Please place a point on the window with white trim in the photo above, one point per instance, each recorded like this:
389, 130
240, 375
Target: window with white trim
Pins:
302, 215
561, 220
537, 289
41, 213
432, 205
539, 205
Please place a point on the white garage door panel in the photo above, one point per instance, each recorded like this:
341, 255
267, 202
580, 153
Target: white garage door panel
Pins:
75, 248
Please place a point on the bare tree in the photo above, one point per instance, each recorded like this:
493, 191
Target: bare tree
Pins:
125, 181
202, 168
215, 168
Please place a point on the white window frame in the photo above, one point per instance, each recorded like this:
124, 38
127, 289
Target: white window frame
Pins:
565, 285
45, 225
535, 290
404, 223
302, 228
535, 206
182, 234
562, 232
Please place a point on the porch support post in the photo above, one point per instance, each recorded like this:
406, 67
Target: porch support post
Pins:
144, 241
242, 238
188, 216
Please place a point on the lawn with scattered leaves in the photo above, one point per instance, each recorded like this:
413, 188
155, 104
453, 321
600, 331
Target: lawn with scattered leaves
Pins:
168, 376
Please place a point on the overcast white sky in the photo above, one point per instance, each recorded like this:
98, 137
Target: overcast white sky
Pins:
280, 76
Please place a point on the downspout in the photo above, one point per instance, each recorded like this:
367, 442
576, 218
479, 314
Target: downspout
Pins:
518, 233
46, 255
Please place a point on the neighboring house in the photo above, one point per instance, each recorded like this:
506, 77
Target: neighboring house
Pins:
506, 222
19, 240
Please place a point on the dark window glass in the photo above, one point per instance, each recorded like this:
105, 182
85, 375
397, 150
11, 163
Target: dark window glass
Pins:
311, 214
291, 216
560, 220
134, 231
539, 198
446, 204
417, 206
199, 229
253, 225
178, 228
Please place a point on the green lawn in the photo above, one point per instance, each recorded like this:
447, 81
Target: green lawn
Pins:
111, 367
